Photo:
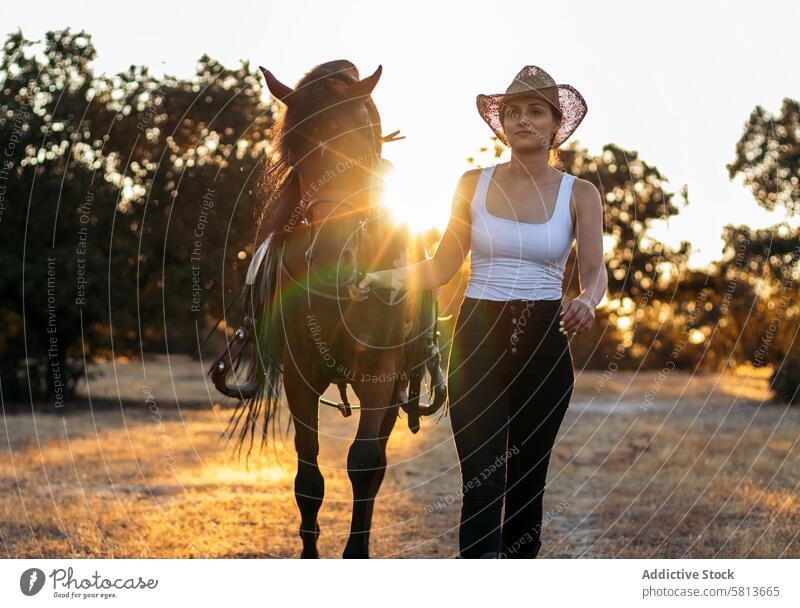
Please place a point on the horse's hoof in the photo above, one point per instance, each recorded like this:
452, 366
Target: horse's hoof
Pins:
353, 552
355, 555
311, 552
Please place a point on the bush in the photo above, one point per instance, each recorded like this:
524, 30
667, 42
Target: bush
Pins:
785, 381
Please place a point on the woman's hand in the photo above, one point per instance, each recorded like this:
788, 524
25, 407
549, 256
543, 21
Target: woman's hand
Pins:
577, 316
361, 291
392, 279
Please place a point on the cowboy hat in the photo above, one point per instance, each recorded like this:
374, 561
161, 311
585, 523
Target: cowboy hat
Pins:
533, 79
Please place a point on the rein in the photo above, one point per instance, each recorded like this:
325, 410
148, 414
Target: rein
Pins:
308, 227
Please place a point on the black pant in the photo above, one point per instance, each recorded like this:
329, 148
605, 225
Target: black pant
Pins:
510, 379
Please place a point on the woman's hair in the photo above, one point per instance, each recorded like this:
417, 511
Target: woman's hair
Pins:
557, 116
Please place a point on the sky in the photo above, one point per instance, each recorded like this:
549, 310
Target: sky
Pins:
675, 81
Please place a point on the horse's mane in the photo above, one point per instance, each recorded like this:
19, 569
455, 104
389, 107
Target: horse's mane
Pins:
312, 102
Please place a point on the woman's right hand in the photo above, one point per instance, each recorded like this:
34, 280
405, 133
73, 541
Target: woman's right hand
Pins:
361, 291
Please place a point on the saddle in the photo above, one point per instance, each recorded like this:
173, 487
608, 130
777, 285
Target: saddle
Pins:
252, 354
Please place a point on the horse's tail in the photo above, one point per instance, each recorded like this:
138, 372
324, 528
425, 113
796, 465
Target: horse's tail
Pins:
263, 361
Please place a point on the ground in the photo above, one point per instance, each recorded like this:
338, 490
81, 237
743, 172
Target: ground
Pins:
699, 466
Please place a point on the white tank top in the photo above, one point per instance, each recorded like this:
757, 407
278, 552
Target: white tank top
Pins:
514, 260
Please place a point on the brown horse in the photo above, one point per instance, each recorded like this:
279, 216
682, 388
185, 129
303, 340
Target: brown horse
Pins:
324, 231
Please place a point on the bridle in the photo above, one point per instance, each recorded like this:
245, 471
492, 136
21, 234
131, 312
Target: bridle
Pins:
365, 217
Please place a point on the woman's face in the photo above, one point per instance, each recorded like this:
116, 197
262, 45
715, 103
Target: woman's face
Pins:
529, 123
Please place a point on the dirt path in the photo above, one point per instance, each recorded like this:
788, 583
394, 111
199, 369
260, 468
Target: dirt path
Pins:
700, 469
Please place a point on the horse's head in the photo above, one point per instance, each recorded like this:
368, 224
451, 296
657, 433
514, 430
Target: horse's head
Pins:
331, 127
330, 133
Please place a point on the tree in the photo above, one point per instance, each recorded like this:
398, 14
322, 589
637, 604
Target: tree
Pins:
768, 157
768, 161
642, 271
124, 200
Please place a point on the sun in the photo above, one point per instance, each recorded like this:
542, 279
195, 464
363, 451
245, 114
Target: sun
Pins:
411, 201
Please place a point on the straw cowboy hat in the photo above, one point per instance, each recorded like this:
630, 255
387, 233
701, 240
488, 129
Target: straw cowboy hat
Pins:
533, 79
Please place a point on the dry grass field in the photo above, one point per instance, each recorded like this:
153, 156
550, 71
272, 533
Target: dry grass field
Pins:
702, 466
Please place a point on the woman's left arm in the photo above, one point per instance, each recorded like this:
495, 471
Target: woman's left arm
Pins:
578, 314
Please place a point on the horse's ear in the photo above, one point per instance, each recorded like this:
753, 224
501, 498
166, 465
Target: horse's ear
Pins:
275, 86
362, 88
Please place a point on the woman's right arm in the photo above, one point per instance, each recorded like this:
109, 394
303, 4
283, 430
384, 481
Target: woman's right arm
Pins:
449, 256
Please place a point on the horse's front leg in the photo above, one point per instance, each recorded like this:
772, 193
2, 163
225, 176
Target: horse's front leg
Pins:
309, 484
366, 460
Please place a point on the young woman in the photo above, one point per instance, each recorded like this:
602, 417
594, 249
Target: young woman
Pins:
510, 373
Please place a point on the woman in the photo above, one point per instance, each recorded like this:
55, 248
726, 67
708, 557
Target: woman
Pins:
510, 374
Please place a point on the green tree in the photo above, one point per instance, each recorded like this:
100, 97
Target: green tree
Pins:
768, 161
768, 157
126, 202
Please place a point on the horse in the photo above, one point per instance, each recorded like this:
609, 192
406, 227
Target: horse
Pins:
302, 331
